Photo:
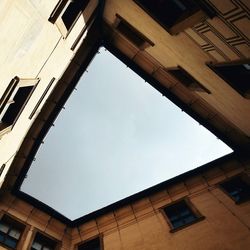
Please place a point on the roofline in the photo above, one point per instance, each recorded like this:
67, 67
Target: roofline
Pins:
40, 205
167, 93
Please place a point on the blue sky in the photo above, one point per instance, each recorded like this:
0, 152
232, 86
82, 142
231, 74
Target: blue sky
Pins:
117, 136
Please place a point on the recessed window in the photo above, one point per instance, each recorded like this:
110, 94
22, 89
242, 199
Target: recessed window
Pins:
172, 14
181, 214
132, 34
14, 100
67, 12
237, 188
73, 10
91, 245
187, 80
10, 232
42, 242
236, 74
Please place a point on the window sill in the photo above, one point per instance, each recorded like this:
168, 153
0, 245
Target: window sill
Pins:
4, 129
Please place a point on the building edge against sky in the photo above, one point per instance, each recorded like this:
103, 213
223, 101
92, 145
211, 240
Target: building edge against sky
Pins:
36, 81
114, 142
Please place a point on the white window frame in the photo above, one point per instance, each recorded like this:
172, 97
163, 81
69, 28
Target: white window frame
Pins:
8, 98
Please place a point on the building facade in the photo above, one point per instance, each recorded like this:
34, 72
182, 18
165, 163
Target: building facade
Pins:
196, 53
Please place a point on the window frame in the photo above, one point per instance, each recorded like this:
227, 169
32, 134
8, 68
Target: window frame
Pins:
100, 237
196, 86
57, 14
203, 12
19, 224
244, 178
194, 210
214, 67
146, 42
37, 231
7, 99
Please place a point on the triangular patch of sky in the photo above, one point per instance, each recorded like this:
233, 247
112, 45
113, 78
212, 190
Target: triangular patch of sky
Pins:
116, 137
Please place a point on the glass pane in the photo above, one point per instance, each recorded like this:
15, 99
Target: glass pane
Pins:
47, 248
4, 227
14, 233
71, 13
168, 12
14, 108
189, 219
91, 245
173, 217
177, 223
36, 246
10, 242
2, 237
185, 212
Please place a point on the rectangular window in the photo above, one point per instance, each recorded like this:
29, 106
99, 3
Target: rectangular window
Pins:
74, 8
14, 100
41, 242
238, 188
94, 244
66, 13
132, 34
187, 80
10, 232
181, 214
176, 15
236, 74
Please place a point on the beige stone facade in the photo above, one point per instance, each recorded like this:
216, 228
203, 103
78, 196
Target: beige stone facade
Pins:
43, 54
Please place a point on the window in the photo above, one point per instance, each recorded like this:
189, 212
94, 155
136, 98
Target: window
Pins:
66, 13
181, 214
94, 244
187, 80
176, 15
42, 242
14, 100
236, 74
133, 35
10, 232
73, 10
237, 188
2, 169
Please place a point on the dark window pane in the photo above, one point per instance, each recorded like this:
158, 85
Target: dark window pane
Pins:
10, 231
238, 189
14, 108
177, 224
10, 242
91, 245
169, 12
236, 75
189, 219
71, 13
43, 242
180, 214
2, 237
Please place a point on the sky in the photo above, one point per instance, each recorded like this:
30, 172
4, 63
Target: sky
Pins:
116, 136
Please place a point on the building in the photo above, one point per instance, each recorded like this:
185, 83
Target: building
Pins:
196, 53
